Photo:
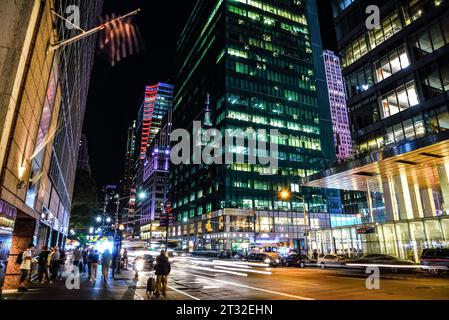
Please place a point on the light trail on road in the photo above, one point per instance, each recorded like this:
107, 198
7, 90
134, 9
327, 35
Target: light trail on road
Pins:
248, 287
246, 270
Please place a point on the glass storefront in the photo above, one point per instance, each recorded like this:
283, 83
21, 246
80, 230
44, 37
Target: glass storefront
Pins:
404, 239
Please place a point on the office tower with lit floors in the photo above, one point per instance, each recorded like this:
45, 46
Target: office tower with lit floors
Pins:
397, 78
337, 103
158, 100
251, 65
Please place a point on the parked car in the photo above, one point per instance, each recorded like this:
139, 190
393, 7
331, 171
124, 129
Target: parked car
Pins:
435, 258
298, 260
331, 260
144, 263
273, 259
381, 259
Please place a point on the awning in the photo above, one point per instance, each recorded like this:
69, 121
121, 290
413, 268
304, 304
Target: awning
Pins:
418, 159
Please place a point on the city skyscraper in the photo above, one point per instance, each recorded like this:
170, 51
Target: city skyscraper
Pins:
157, 101
258, 64
41, 120
83, 156
337, 102
127, 189
397, 82
155, 181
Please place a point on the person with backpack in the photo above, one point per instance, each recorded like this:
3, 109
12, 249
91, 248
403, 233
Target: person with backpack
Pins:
42, 265
25, 259
162, 269
94, 258
106, 258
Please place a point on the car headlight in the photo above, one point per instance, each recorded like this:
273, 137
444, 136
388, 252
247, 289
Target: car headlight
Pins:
267, 260
139, 265
277, 260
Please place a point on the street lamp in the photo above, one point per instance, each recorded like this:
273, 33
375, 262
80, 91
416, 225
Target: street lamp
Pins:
118, 230
98, 219
108, 219
286, 195
142, 195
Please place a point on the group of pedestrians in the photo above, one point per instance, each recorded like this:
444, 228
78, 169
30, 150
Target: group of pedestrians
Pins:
90, 259
50, 265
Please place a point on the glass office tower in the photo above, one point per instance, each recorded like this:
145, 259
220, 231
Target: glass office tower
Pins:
397, 77
252, 64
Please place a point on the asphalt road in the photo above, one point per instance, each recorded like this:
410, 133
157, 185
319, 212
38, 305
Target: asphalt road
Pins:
206, 279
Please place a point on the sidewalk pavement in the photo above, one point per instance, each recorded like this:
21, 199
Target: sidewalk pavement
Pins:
123, 287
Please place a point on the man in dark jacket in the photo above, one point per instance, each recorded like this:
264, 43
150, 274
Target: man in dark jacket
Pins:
162, 269
42, 265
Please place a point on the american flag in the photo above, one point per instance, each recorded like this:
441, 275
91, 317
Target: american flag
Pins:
119, 39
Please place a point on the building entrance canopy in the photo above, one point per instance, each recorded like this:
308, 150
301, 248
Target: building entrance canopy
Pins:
422, 165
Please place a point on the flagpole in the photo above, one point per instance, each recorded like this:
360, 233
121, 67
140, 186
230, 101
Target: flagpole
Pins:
85, 34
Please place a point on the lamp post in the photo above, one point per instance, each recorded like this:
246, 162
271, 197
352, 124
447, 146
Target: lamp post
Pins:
286, 195
120, 227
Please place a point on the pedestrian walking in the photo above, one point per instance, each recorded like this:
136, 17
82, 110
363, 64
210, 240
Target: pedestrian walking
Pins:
89, 262
162, 269
125, 259
49, 261
54, 264
84, 253
62, 261
42, 263
78, 259
25, 259
94, 257
106, 259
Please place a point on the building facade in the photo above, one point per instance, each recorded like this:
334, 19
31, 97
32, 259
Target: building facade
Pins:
127, 189
43, 100
259, 64
83, 156
157, 102
397, 83
337, 103
155, 181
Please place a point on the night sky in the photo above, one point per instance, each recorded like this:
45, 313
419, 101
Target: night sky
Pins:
116, 93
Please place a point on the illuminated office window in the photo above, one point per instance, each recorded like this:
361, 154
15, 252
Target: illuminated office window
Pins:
391, 63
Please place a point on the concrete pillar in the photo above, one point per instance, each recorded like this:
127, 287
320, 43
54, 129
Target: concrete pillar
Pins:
403, 196
391, 208
429, 209
25, 231
227, 222
369, 199
415, 196
443, 174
